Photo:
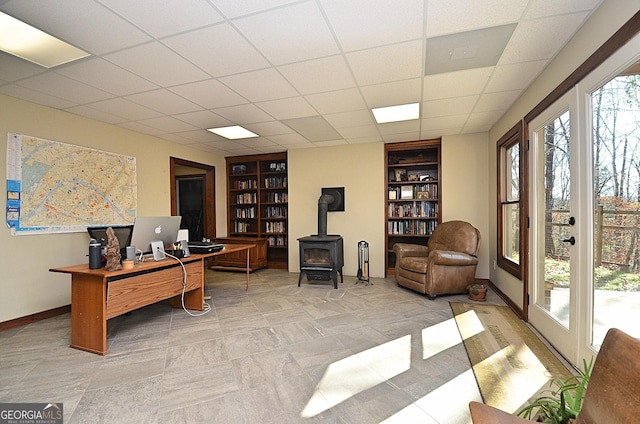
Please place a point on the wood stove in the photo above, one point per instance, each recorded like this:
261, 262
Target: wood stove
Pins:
321, 255
321, 258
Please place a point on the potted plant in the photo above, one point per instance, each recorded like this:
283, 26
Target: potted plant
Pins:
564, 402
477, 292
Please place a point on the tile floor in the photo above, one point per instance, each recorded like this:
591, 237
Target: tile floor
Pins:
276, 354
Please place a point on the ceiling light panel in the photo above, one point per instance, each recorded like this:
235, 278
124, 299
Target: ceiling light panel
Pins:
396, 113
29, 43
233, 132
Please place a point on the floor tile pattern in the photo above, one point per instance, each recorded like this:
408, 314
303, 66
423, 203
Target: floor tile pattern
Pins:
279, 353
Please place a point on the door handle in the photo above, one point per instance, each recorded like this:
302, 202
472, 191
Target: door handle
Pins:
571, 240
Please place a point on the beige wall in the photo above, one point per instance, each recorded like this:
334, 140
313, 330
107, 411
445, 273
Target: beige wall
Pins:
359, 169
609, 17
465, 191
26, 286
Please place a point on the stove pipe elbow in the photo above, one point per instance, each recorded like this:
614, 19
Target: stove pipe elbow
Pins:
323, 207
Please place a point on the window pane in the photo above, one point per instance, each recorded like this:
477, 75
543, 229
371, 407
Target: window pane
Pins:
512, 173
511, 233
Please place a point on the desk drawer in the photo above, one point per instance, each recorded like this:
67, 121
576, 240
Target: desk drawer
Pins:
140, 290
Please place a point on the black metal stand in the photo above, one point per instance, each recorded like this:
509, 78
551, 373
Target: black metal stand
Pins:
363, 263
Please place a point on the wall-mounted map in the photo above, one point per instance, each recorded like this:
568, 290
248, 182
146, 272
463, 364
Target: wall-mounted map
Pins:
59, 187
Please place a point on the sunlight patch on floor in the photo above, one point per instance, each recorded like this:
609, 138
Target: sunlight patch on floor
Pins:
357, 373
448, 403
439, 337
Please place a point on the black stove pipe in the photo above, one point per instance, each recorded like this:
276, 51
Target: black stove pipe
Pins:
323, 207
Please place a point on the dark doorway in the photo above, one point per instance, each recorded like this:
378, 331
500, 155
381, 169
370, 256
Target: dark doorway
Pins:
193, 197
190, 196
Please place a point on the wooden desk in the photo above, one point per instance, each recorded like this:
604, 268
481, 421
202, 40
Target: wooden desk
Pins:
98, 295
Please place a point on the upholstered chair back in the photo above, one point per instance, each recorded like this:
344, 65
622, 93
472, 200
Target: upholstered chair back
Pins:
457, 236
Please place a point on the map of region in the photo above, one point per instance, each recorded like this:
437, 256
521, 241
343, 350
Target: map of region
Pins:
65, 186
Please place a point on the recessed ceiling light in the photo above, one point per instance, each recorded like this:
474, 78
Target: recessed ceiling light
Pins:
396, 113
233, 133
29, 43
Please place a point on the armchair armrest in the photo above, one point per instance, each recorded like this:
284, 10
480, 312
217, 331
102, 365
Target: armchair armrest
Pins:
448, 257
405, 249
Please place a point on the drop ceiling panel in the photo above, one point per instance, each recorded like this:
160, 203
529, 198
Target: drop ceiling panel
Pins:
204, 119
105, 75
165, 18
13, 68
124, 108
386, 64
540, 38
392, 93
64, 88
269, 128
219, 50
337, 101
156, 63
453, 16
209, 94
312, 77
235, 8
362, 24
243, 114
168, 124
542, 8
447, 107
514, 77
164, 101
456, 84
304, 24
294, 107
496, 101
350, 119
36, 97
258, 86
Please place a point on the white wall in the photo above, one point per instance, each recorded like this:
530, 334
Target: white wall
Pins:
26, 286
605, 21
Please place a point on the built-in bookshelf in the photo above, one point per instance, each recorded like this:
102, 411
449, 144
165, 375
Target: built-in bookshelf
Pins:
258, 202
413, 194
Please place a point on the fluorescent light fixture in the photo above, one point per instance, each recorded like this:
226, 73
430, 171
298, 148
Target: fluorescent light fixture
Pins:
397, 113
233, 133
29, 43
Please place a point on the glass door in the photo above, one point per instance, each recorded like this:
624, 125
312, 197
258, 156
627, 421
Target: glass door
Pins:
615, 130
554, 214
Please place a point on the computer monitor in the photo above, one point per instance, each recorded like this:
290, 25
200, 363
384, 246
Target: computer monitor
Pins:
122, 232
154, 228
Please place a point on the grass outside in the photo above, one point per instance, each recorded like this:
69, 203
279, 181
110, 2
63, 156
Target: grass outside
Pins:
605, 279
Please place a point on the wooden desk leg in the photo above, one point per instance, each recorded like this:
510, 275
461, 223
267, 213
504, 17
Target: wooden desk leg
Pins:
247, 288
89, 313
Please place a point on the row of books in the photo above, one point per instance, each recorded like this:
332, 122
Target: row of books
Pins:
277, 240
413, 210
246, 212
417, 191
245, 184
274, 197
242, 227
245, 198
275, 227
276, 212
275, 182
414, 228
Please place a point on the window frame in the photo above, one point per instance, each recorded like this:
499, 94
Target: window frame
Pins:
511, 138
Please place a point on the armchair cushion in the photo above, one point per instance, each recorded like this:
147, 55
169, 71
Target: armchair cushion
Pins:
447, 265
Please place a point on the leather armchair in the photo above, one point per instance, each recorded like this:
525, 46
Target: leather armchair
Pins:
447, 265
